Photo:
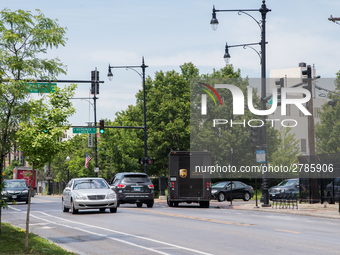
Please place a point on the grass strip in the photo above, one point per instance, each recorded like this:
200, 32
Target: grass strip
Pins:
12, 241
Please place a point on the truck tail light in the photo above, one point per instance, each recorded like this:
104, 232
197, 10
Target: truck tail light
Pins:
151, 186
173, 185
121, 186
208, 185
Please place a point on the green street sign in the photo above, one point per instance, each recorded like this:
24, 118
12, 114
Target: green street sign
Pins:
41, 87
270, 101
84, 130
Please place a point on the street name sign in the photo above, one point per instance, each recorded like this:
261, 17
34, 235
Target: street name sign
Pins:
41, 87
83, 130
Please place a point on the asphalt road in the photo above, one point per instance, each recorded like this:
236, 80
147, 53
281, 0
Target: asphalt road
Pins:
182, 230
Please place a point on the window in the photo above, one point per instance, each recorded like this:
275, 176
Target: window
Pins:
304, 145
316, 112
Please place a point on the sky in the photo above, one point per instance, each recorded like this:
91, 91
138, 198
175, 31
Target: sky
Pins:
170, 33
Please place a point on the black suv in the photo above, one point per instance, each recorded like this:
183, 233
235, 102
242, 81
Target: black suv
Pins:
133, 188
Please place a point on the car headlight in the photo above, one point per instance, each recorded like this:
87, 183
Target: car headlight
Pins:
24, 191
111, 195
213, 191
80, 196
3, 192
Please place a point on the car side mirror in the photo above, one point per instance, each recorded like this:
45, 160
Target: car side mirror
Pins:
112, 186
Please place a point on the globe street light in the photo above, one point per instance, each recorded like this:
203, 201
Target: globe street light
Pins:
68, 171
262, 25
110, 77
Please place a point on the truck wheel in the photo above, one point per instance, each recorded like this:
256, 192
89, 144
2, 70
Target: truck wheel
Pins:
149, 205
175, 204
207, 204
221, 197
139, 204
246, 196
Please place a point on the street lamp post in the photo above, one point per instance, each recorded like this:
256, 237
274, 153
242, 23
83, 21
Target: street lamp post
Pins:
262, 25
142, 75
68, 170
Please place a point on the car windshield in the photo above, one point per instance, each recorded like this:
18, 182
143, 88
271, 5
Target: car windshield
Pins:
219, 185
15, 184
90, 184
287, 183
135, 179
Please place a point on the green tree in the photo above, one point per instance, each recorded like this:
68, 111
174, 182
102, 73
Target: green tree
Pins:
288, 149
39, 137
8, 172
23, 38
327, 131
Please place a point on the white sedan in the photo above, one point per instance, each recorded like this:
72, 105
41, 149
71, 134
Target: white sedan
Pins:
88, 193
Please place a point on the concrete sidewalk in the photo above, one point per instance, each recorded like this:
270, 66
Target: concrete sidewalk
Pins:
324, 210
318, 210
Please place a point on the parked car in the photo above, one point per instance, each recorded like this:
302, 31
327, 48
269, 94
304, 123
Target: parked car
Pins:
329, 190
287, 186
224, 191
88, 193
15, 190
133, 188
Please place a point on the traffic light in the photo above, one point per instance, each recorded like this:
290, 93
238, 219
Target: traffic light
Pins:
307, 80
255, 134
94, 82
332, 103
148, 161
101, 126
280, 83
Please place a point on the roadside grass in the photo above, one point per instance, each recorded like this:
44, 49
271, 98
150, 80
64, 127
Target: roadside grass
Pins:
259, 194
12, 241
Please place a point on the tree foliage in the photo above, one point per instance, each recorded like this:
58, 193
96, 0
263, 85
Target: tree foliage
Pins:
327, 132
23, 38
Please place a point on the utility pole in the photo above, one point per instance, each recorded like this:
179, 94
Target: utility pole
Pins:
311, 135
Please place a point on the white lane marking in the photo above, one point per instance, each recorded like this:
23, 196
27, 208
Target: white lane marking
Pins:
126, 234
112, 238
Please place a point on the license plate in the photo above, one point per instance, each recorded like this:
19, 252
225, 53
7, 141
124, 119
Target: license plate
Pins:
14, 196
137, 189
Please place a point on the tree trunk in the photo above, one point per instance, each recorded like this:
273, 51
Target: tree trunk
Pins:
28, 210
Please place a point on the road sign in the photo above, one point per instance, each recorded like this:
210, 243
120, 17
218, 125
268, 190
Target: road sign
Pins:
41, 87
96, 169
260, 156
90, 144
270, 101
83, 130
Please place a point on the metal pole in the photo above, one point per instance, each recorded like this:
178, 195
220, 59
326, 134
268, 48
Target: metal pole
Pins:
231, 179
95, 119
145, 134
49, 181
264, 11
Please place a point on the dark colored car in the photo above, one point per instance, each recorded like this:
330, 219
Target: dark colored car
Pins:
239, 190
287, 186
133, 188
15, 190
329, 190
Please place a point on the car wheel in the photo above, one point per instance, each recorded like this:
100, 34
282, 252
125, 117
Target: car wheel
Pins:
221, 197
113, 210
102, 209
246, 196
26, 201
73, 211
65, 209
175, 204
149, 205
118, 204
139, 204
